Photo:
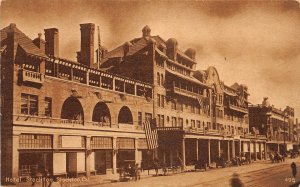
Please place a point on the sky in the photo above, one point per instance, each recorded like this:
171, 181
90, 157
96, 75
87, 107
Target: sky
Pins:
260, 40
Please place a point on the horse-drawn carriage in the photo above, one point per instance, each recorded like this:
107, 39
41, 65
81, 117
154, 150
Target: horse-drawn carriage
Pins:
236, 161
294, 153
127, 172
245, 158
276, 158
222, 162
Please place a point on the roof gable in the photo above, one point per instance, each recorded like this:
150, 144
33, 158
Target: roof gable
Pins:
24, 41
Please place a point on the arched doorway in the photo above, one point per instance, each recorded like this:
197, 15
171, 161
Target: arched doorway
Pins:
72, 109
101, 114
125, 116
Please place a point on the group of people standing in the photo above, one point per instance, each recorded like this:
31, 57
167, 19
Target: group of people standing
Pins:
42, 175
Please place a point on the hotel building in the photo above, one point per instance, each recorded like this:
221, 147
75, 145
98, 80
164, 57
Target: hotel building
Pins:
86, 116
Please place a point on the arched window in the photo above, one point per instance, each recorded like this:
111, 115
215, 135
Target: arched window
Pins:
101, 114
158, 79
125, 116
72, 109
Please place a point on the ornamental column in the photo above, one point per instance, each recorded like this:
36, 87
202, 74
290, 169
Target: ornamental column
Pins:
114, 162
87, 156
197, 149
249, 148
15, 156
255, 151
183, 153
266, 153
228, 150
208, 151
233, 149
136, 154
260, 150
219, 148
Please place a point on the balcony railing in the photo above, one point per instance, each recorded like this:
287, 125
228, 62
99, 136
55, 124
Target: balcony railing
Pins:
185, 92
238, 108
31, 76
250, 136
260, 136
169, 128
101, 124
71, 121
255, 136
97, 78
212, 132
41, 120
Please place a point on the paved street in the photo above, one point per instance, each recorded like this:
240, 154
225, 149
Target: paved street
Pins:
259, 174
264, 174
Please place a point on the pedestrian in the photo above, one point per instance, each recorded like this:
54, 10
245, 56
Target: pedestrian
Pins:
137, 172
46, 179
156, 165
34, 175
294, 169
235, 181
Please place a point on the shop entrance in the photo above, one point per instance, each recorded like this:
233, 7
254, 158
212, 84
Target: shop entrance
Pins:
35, 161
125, 158
103, 161
75, 163
147, 158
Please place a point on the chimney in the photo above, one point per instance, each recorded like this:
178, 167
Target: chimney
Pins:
12, 38
52, 42
190, 52
39, 42
146, 31
87, 44
172, 48
126, 47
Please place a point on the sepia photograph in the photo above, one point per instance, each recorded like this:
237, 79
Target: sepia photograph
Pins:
150, 93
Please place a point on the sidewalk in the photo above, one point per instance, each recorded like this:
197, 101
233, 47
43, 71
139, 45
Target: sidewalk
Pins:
83, 181
96, 180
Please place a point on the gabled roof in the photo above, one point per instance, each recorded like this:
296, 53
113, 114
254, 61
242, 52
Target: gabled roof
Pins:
136, 45
235, 86
24, 41
182, 54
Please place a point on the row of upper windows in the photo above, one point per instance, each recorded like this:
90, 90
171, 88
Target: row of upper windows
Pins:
29, 105
184, 63
160, 79
160, 100
233, 117
194, 109
159, 61
175, 122
148, 116
179, 69
161, 121
220, 98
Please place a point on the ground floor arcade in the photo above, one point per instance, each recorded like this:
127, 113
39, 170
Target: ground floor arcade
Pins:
185, 151
74, 155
